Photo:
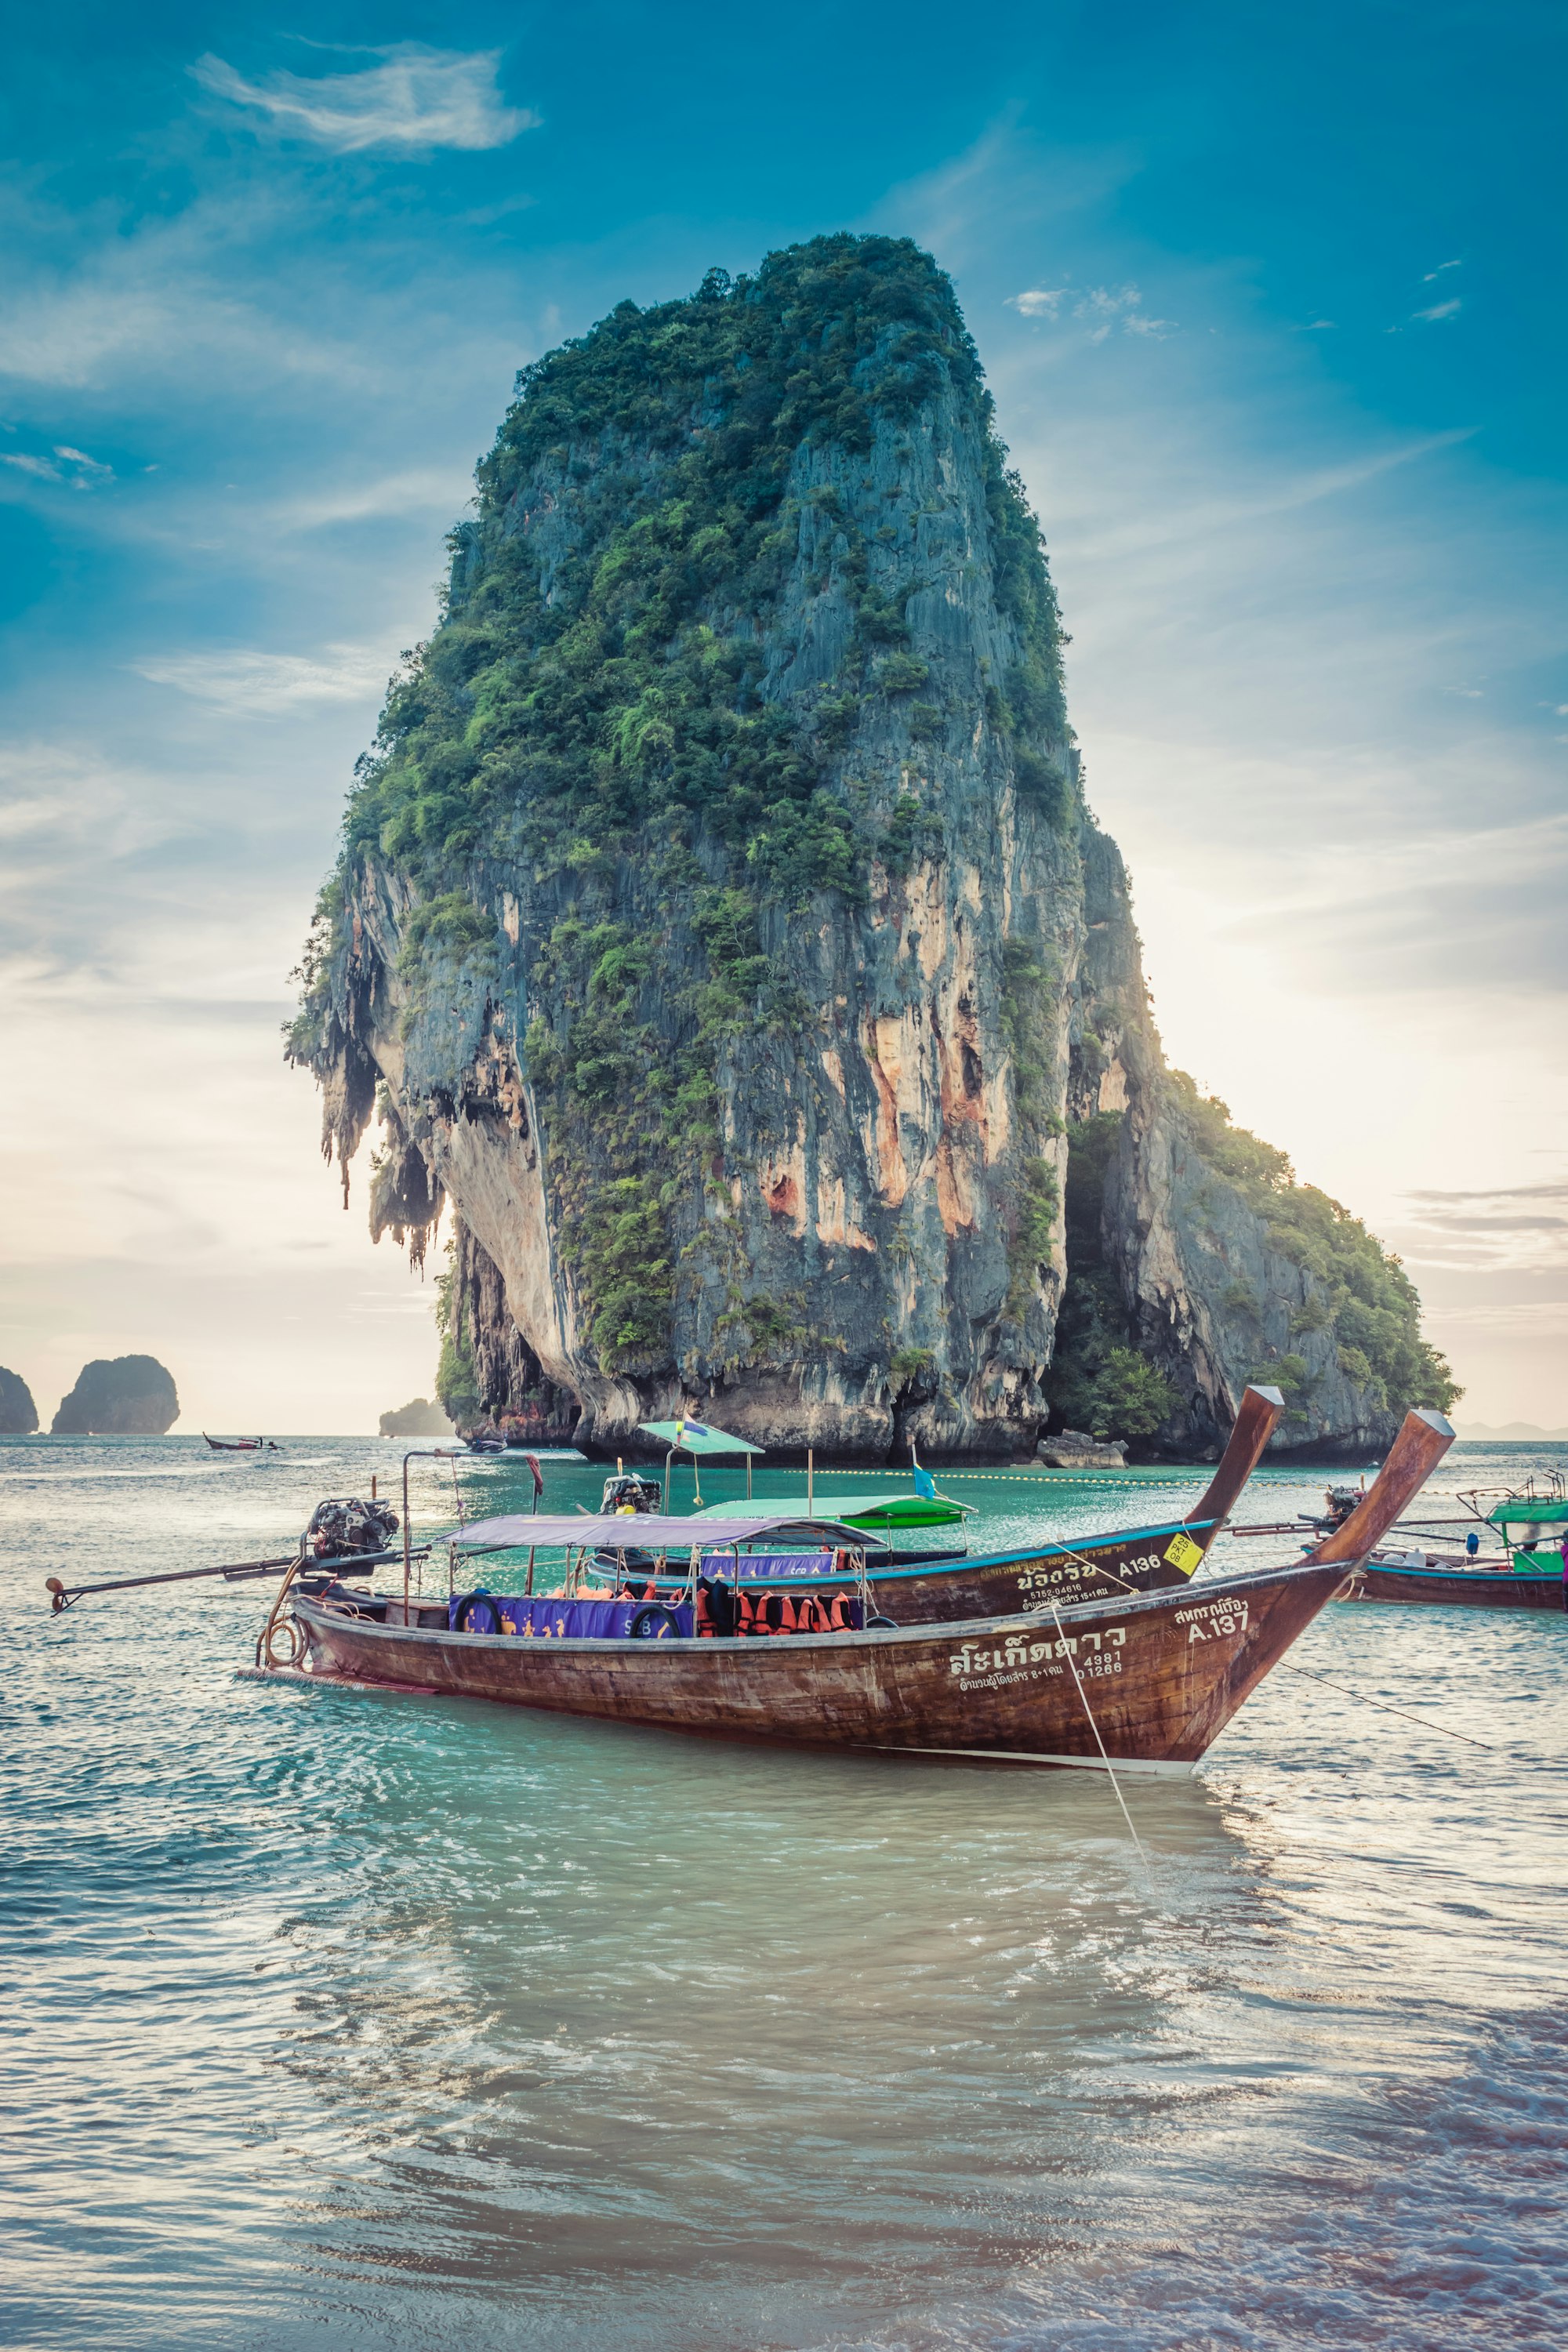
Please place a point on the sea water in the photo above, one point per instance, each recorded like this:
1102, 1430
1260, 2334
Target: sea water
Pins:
353, 2021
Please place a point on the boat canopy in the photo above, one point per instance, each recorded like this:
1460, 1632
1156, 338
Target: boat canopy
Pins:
698, 1438
864, 1510
643, 1531
1530, 1511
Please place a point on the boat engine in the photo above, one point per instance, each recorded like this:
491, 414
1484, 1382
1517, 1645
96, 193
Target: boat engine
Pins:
643, 1494
1338, 1504
345, 1527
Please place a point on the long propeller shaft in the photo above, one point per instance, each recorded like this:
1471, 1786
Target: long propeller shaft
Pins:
235, 1571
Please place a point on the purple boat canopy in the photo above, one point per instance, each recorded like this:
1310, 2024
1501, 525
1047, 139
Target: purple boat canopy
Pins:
644, 1531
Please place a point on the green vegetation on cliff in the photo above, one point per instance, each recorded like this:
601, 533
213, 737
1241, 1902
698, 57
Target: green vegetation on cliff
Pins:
456, 1377
622, 690
598, 691
1360, 1290
1367, 1297
1098, 1380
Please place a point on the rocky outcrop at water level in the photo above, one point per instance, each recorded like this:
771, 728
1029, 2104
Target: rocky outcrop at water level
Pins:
721, 928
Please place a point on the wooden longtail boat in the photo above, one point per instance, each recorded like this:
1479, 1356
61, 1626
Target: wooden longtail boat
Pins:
1531, 1573
234, 1444
1455, 1585
1129, 1560
1155, 1678
1146, 1680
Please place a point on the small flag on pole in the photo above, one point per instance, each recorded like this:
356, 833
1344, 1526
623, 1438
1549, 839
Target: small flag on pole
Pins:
925, 1484
685, 1429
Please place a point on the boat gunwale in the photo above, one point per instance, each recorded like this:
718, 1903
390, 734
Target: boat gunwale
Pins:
964, 1563
1486, 1579
1168, 1601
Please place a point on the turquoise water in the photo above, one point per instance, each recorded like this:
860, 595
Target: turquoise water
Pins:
356, 2022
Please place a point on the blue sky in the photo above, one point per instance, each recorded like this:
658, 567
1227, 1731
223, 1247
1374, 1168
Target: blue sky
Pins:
1272, 305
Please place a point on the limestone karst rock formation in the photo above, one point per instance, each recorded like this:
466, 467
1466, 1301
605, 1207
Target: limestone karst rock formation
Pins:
721, 929
18, 1414
119, 1396
421, 1417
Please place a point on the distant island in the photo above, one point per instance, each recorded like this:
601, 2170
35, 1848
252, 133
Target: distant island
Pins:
119, 1396
1514, 1432
18, 1414
420, 1418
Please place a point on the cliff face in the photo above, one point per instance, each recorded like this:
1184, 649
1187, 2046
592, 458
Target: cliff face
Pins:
721, 927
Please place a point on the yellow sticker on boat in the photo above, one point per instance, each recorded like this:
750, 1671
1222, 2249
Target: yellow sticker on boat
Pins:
1183, 1553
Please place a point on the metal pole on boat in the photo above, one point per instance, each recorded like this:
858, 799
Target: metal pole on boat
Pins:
420, 1453
810, 1478
407, 1563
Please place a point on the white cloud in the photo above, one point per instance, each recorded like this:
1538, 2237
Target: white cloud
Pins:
261, 685
416, 99
1103, 309
413, 491
74, 468
1442, 309
1431, 274
86, 465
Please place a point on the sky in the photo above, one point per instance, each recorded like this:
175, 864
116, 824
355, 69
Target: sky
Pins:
1272, 303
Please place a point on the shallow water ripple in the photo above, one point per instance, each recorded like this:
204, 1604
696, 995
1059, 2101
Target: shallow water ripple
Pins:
369, 2022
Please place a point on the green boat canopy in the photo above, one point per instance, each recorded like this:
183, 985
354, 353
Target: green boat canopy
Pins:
859, 1510
699, 1438
1541, 1510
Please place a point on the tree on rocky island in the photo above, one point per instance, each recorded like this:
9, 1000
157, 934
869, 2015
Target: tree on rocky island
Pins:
119, 1396
18, 1414
722, 928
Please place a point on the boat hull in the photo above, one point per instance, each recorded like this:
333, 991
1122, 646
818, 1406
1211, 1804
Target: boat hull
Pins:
1456, 1588
1156, 1678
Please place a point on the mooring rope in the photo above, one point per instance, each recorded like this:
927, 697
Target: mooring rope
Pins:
1110, 1768
1383, 1703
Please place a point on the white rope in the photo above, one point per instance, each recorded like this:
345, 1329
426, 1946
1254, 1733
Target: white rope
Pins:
1110, 1768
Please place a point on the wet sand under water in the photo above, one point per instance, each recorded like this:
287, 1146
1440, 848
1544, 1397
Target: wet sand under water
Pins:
362, 2022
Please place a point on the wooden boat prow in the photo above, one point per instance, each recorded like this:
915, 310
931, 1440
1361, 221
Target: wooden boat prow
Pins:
1257, 1418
